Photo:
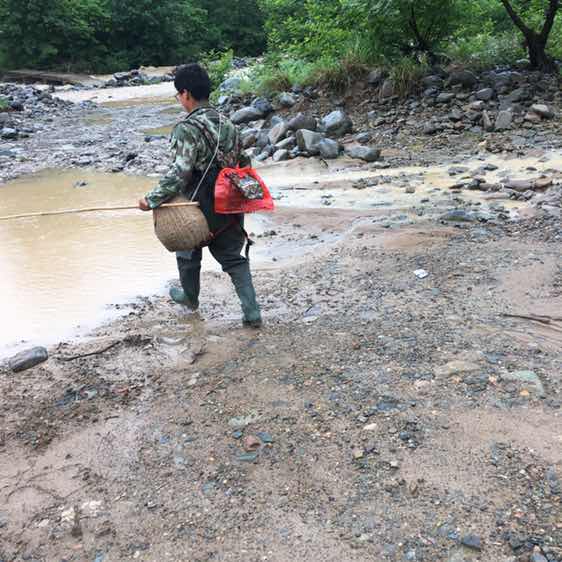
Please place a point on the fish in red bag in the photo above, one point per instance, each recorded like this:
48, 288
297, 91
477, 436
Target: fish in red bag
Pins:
241, 190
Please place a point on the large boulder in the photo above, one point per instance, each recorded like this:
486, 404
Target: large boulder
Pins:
432, 81
263, 105
486, 94
289, 143
7, 133
504, 120
287, 100
246, 114
278, 132
28, 359
280, 155
464, 78
329, 148
302, 121
542, 110
445, 97
231, 84
366, 153
308, 141
336, 124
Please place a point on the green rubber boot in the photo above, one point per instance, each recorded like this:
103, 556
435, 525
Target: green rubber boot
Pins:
251, 310
178, 295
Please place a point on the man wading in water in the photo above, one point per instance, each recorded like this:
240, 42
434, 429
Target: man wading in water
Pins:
194, 142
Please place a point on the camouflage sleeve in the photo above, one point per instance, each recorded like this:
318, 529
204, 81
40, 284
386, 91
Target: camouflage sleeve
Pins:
184, 143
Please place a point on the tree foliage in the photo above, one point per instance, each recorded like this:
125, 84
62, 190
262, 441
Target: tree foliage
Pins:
116, 34
97, 35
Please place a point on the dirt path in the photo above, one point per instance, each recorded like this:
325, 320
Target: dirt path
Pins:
392, 426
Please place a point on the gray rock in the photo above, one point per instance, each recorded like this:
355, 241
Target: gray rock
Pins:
278, 132
336, 124
432, 81
458, 215
477, 105
472, 541
375, 77
280, 155
518, 95
445, 98
5, 120
28, 359
366, 153
387, 89
487, 122
262, 140
7, 133
246, 114
329, 148
531, 117
456, 115
542, 110
504, 120
430, 129
464, 78
308, 141
519, 185
289, 143
231, 84
363, 138
302, 121
263, 105
485, 94
249, 137
287, 100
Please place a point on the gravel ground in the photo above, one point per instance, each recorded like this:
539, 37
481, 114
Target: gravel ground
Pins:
379, 415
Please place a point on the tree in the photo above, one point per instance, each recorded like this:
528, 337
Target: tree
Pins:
164, 32
413, 28
45, 33
234, 25
535, 40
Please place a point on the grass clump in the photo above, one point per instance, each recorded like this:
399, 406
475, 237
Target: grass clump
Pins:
4, 104
407, 74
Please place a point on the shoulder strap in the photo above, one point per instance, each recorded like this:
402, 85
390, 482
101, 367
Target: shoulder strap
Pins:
196, 192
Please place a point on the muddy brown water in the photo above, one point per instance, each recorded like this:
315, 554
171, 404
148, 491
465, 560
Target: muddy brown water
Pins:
61, 273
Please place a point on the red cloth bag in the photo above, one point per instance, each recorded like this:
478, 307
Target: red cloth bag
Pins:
228, 198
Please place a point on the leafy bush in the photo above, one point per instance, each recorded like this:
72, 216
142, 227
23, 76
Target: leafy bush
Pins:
484, 50
4, 104
218, 66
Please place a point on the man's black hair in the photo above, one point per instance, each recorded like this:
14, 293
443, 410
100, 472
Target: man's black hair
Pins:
193, 78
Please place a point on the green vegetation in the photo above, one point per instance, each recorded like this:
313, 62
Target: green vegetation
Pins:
111, 35
332, 42
4, 104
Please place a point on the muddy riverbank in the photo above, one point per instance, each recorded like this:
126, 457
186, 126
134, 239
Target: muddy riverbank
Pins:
381, 414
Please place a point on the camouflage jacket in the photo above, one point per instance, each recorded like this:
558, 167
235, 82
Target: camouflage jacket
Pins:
193, 143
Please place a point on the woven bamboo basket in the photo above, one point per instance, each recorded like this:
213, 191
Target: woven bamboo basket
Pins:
181, 229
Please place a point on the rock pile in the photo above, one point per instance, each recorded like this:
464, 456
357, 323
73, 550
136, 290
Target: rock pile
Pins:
281, 137
499, 100
25, 102
136, 78
448, 103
